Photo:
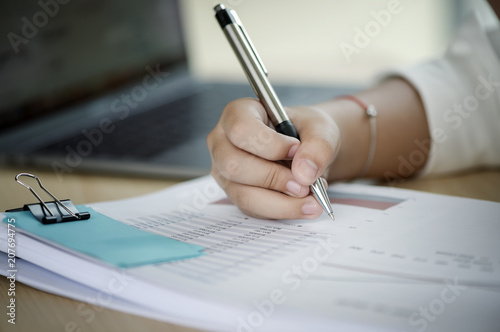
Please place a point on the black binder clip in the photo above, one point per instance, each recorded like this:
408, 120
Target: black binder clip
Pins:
50, 212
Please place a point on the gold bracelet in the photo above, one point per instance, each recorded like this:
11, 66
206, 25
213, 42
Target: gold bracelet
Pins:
371, 112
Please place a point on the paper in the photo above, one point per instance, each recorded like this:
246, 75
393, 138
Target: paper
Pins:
417, 262
47, 281
106, 239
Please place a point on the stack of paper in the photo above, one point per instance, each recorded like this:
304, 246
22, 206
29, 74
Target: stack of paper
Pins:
394, 260
103, 238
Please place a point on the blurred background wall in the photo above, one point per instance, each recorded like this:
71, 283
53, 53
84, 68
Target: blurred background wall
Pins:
309, 40
89, 46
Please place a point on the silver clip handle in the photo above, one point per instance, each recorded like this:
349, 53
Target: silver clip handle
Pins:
44, 189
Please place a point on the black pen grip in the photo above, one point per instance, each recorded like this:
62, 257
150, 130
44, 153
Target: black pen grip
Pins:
287, 128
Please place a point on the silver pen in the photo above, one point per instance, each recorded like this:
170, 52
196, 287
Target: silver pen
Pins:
257, 76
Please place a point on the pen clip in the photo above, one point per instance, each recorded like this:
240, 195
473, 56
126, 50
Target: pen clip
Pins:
243, 31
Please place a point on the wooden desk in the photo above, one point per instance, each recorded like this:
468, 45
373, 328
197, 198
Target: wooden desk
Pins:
40, 311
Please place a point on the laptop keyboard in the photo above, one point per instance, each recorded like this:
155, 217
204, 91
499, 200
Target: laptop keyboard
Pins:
146, 134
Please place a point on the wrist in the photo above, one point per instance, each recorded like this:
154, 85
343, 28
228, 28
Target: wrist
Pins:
354, 138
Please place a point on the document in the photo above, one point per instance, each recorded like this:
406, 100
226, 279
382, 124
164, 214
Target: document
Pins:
394, 260
104, 238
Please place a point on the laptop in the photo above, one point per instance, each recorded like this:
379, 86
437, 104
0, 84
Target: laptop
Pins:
104, 86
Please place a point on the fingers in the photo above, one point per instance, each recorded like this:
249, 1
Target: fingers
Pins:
245, 151
245, 123
231, 164
267, 204
320, 141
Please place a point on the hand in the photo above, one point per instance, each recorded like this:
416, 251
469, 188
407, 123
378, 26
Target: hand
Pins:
245, 151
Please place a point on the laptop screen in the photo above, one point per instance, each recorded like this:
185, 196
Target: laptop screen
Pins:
57, 52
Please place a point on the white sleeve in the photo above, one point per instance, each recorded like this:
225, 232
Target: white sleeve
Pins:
461, 96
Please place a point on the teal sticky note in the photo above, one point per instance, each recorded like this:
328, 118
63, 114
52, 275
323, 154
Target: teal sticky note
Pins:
107, 239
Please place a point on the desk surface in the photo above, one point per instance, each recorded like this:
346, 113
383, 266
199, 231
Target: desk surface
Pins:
40, 311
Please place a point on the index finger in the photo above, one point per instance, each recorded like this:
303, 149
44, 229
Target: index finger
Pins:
246, 125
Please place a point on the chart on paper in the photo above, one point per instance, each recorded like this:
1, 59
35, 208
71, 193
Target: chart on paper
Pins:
234, 245
379, 234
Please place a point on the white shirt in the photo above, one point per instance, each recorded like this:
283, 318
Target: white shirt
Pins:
461, 96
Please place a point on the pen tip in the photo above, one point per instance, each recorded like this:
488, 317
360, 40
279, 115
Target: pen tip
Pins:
332, 216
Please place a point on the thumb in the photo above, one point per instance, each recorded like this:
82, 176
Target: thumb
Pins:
319, 143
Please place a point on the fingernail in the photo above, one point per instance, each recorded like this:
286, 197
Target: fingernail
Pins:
309, 208
308, 169
294, 187
292, 151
